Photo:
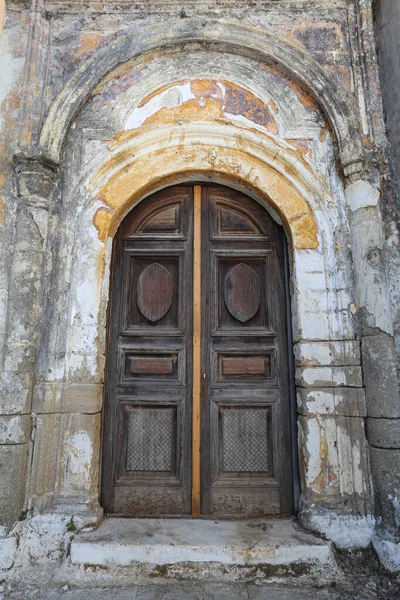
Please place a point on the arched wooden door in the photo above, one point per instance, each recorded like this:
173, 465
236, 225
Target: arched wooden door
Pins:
197, 346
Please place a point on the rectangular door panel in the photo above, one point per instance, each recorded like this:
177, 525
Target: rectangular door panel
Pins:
246, 451
147, 421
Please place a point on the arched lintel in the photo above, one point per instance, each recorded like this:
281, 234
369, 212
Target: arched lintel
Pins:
147, 174
230, 37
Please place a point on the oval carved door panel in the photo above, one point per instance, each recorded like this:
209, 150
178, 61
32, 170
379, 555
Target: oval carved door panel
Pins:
242, 292
155, 290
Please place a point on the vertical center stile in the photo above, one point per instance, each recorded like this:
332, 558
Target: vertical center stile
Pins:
196, 507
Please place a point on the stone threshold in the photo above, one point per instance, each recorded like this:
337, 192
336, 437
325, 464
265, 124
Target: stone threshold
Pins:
119, 542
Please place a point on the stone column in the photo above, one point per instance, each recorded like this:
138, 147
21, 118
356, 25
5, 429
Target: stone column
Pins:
34, 184
378, 356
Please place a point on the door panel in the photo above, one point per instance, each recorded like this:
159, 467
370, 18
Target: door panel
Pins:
147, 422
246, 452
239, 307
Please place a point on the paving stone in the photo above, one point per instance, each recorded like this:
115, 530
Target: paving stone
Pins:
190, 591
220, 591
86, 594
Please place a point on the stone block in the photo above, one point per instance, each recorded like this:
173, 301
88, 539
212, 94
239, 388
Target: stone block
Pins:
347, 402
86, 339
14, 393
66, 458
12, 482
47, 397
327, 353
45, 456
333, 461
79, 460
313, 326
308, 261
124, 542
384, 433
86, 367
61, 397
15, 429
83, 398
346, 376
380, 376
385, 467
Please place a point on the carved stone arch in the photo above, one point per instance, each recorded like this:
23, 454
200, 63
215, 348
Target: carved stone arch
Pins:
146, 163
232, 38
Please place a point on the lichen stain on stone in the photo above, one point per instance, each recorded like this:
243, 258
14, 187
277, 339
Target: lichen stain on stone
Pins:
304, 97
327, 35
87, 43
303, 147
9, 113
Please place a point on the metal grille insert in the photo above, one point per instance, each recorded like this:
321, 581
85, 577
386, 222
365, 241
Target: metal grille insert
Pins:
150, 443
244, 440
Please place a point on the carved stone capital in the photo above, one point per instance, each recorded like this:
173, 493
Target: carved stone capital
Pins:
35, 179
365, 165
353, 170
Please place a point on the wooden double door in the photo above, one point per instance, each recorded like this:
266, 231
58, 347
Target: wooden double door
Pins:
197, 416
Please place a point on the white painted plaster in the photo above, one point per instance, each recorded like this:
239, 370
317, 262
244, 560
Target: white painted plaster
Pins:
312, 445
8, 547
346, 531
80, 454
361, 194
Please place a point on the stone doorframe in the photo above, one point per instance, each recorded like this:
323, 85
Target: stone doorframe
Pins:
333, 455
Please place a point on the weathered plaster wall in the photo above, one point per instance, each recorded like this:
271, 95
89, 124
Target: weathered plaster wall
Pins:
279, 99
15, 427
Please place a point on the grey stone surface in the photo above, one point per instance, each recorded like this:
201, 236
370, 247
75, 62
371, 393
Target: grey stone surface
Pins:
274, 542
12, 488
380, 376
385, 465
387, 33
384, 433
15, 429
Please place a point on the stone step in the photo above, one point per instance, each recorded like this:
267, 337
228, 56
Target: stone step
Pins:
269, 542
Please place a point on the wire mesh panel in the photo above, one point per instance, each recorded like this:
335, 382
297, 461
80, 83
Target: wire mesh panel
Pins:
245, 439
150, 439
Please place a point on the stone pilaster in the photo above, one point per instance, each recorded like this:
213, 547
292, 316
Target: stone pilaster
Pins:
377, 344
34, 184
